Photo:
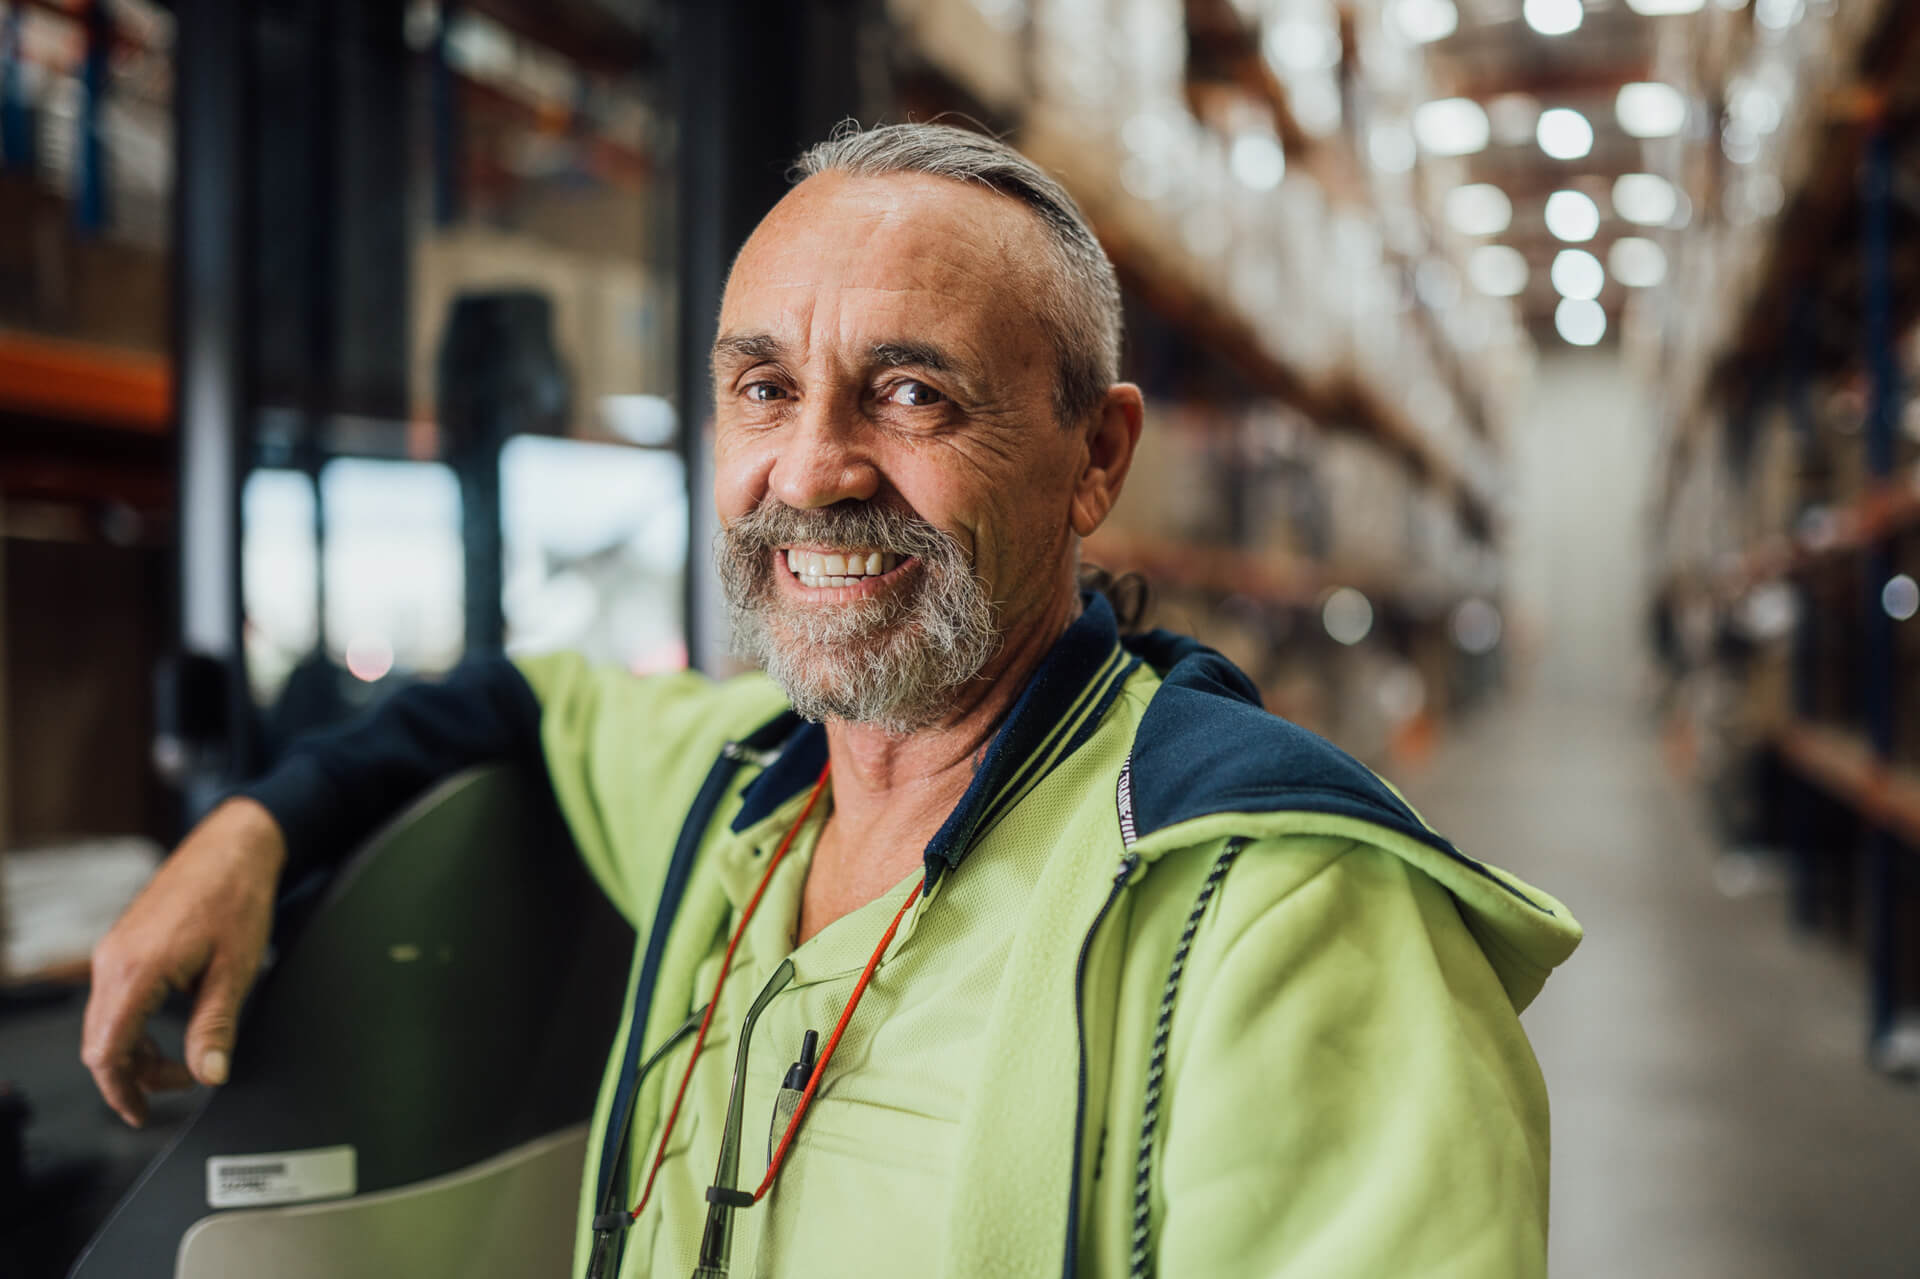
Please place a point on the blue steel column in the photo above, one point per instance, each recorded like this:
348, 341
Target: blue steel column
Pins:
1880, 687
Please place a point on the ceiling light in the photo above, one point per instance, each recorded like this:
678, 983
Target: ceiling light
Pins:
1572, 216
1347, 615
1391, 148
1578, 274
1302, 45
1424, 21
1564, 133
1778, 15
1479, 208
1437, 284
1645, 198
1451, 126
1580, 321
1662, 8
1650, 109
1258, 161
1553, 17
1513, 116
1497, 270
1636, 262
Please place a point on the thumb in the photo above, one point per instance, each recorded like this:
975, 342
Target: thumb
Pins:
216, 1014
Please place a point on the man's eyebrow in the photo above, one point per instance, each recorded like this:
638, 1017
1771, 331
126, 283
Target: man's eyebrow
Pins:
905, 352
747, 346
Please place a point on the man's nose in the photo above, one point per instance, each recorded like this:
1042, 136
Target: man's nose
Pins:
824, 458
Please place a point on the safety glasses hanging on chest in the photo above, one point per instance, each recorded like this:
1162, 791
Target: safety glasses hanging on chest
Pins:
722, 1197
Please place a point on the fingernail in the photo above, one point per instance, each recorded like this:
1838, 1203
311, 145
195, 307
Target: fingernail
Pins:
213, 1067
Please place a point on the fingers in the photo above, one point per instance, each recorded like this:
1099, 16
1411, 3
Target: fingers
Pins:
154, 1072
114, 1028
216, 1013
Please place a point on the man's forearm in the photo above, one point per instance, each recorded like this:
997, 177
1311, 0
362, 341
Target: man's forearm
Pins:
335, 787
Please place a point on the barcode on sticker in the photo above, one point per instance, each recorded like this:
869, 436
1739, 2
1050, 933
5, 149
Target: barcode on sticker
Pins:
283, 1177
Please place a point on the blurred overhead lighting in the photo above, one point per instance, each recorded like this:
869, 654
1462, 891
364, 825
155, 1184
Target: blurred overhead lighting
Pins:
1424, 21
1302, 44
1553, 17
1582, 322
1900, 597
1564, 133
1513, 116
1661, 8
1476, 626
1578, 274
1437, 284
1390, 145
1650, 109
1316, 104
1572, 216
1258, 161
1480, 208
1497, 270
1645, 198
1637, 262
1451, 126
1778, 15
1347, 615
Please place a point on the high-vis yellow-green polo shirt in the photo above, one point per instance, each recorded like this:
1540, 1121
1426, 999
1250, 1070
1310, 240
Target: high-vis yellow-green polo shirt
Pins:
1190, 991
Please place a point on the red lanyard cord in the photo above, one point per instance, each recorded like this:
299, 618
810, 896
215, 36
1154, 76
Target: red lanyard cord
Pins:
726, 966
833, 1041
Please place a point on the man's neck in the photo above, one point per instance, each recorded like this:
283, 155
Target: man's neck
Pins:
892, 792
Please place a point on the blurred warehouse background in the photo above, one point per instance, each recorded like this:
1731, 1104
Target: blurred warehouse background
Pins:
1534, 409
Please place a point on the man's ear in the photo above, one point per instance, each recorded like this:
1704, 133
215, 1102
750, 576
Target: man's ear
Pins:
1110, 442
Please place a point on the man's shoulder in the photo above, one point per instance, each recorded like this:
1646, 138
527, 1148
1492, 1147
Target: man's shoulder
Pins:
680, 711
1205, 746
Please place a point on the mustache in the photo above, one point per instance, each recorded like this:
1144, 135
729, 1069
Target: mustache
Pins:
863, 524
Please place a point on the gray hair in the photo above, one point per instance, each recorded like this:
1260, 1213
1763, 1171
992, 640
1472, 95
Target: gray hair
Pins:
1082, 312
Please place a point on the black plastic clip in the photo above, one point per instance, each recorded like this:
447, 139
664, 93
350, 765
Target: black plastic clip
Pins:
729, 1198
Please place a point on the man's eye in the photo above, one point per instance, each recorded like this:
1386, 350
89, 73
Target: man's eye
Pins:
913, 395
766, 392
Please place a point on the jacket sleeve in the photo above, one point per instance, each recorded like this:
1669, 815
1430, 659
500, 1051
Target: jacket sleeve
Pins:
335, 787
1350, 1092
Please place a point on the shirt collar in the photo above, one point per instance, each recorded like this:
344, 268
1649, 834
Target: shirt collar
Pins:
1053, 716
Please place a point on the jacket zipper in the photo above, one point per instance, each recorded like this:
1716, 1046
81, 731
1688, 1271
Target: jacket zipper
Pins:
1128, 863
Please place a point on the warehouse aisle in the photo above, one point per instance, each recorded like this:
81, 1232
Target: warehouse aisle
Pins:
1712, 1113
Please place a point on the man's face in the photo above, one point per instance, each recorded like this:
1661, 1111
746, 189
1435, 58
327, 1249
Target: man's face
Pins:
892, 481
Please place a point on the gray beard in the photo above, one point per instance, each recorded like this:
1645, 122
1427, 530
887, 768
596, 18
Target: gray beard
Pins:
897, 662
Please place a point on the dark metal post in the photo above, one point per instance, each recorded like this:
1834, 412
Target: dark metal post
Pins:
211, 741
755, 85
1880, 681
1803, 899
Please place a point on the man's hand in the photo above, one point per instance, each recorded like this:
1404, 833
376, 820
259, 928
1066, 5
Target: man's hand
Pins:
201, 925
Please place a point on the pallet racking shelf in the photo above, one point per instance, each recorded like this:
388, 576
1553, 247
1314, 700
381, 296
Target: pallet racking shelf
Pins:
1844, 765
85, 383
1831, 291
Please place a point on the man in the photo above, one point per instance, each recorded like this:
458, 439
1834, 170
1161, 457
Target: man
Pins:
1144, 977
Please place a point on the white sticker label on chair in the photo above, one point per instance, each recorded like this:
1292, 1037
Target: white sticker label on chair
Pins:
292, 1176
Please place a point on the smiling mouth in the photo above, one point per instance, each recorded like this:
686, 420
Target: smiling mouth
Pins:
821, 570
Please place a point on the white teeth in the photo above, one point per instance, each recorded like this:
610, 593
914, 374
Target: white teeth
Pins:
817, 569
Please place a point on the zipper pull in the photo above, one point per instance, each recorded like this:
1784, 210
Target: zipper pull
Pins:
1128, 864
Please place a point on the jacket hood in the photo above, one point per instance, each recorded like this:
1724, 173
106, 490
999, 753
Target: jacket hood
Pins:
1210, 762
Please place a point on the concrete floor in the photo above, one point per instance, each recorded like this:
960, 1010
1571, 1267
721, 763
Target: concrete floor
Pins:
1712, 1111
